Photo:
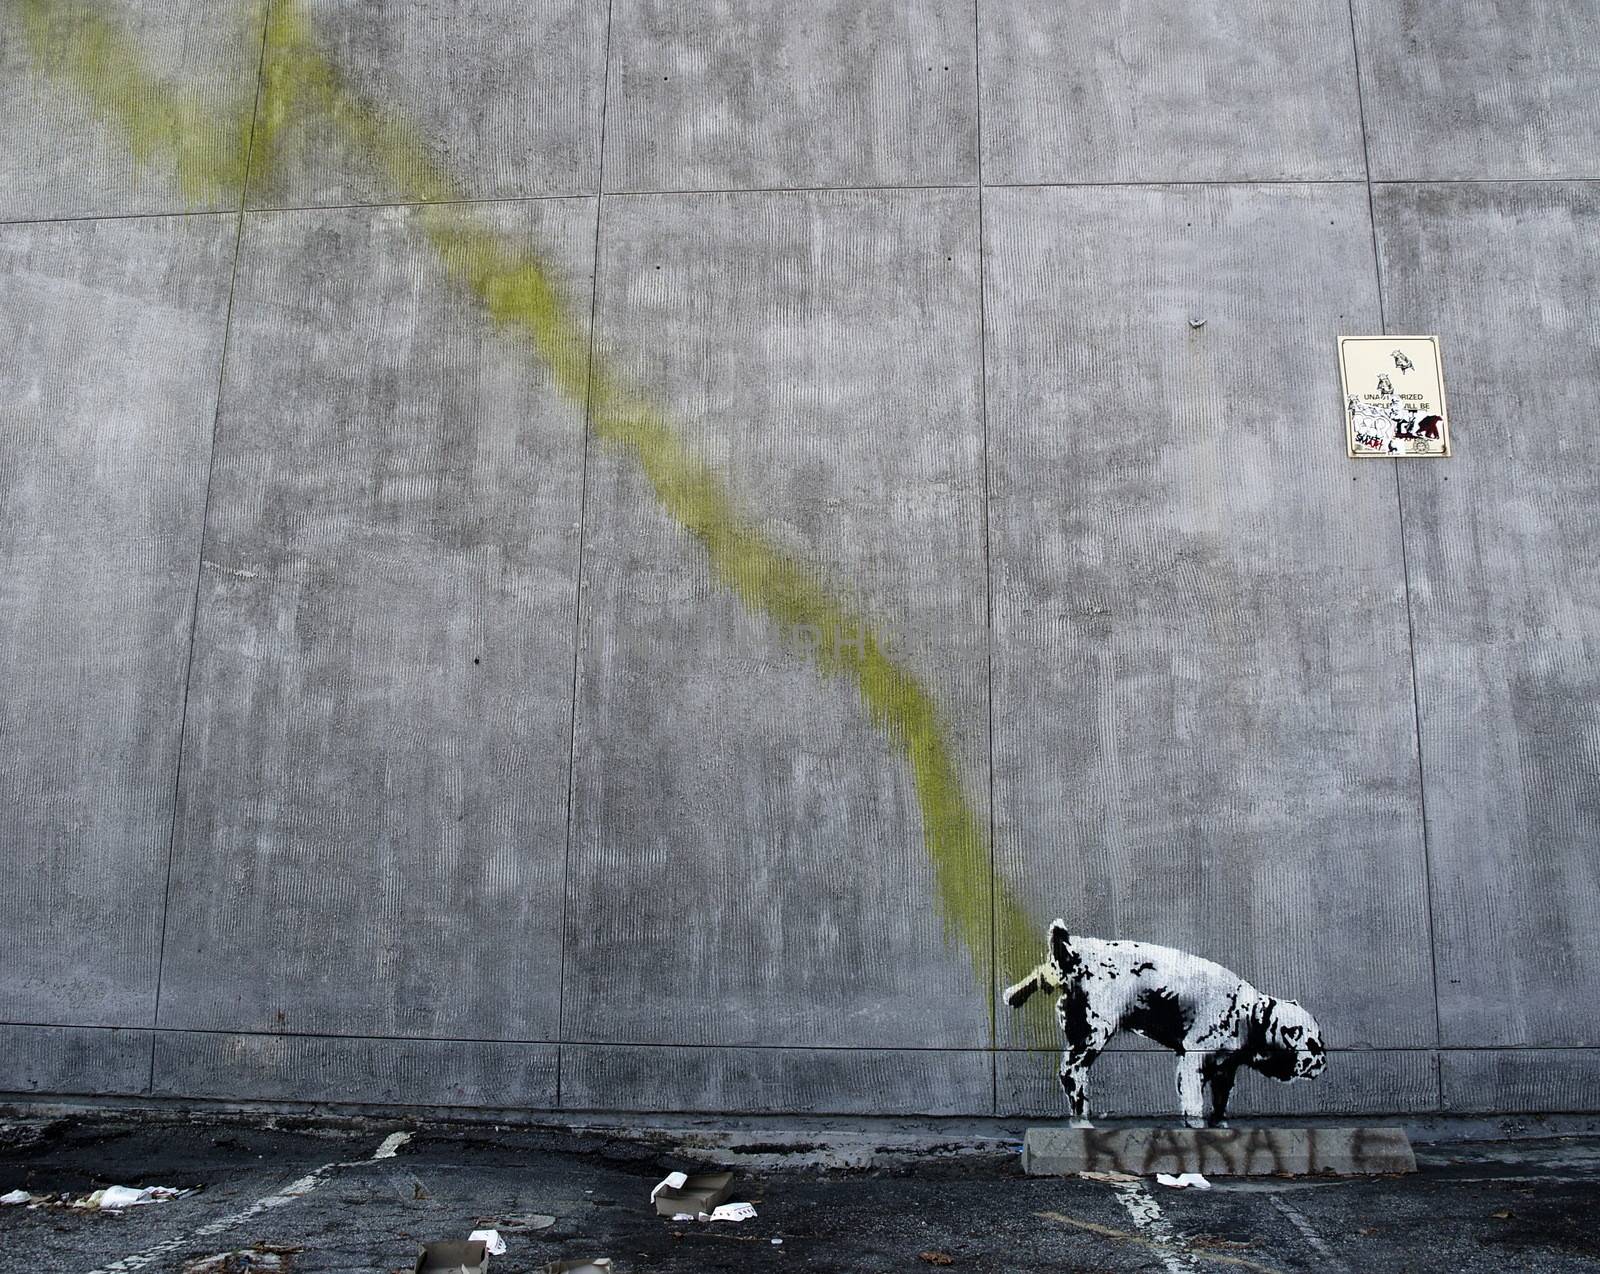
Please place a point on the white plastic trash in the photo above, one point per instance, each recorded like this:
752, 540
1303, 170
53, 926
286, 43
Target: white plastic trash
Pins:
733, 1212
1183, 1181
491, 1240
112, 1198
672, 1181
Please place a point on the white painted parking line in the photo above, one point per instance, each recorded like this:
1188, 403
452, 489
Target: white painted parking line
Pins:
1331, 1264
1147, 1215
391, 1145
294, 1190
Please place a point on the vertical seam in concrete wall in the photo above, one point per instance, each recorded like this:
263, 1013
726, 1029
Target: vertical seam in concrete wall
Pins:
200, 555
1366, 161
1405, 569
988, 573
1422, 789
583, 518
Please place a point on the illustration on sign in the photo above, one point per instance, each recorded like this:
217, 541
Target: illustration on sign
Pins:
1394, 396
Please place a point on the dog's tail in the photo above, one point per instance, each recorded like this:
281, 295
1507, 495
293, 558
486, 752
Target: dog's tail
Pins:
1061, 965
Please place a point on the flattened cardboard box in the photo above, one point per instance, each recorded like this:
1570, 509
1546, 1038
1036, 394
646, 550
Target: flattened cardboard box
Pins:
454, 1256
698, 1194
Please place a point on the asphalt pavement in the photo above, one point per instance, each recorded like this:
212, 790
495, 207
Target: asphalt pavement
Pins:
305, 1197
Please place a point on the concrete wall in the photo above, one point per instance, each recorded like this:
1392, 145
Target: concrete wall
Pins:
632, 555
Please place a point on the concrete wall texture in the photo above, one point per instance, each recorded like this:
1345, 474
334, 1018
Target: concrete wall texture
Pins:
462, 463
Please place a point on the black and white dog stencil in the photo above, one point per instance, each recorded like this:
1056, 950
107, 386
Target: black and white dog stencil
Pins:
1212, 1019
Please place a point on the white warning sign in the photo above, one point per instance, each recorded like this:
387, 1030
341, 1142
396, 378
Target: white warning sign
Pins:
1394, 396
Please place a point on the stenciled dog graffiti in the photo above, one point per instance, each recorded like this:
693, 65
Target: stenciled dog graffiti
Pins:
1211, 1018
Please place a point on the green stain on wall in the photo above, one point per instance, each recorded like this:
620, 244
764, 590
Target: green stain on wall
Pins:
518, 291
80, 47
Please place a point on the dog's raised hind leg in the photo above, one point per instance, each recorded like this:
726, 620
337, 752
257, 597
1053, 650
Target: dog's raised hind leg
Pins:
1019, 992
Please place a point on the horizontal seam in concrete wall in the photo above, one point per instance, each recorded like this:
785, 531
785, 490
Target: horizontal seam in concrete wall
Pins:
773, 1048
284, 1035
799, 190
1356, 1052
1486, 181
589, 195
118, 216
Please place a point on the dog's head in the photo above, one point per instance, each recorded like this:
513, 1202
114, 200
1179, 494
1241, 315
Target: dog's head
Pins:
1288, 1041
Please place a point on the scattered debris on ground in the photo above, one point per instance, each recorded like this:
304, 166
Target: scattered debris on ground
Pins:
517, 1223
491, 1240
567, 1197
453, 1256
263, 1258
672, 1181
106, 1199
112, 1197
1218, 1243
685, 1198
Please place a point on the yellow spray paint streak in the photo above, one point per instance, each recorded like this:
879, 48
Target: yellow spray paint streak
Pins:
519, 292
78, 46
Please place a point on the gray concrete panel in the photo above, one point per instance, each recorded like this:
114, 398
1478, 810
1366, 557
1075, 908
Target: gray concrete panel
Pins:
1138, 1085
1476, 89
748, 863
1215, 90
110, 346
374, 1072
741, 94
507, 95
1202, 696
1511, 1080
373, 808
76, 1060
1505, 574
776, 1080
125, 106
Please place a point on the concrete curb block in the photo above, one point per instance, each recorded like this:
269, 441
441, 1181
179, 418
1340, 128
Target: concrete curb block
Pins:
1217, 1152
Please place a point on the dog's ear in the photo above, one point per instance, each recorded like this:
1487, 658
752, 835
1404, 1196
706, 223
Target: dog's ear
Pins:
1061, 953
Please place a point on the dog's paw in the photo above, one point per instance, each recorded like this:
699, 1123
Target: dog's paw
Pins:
1082, 1123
